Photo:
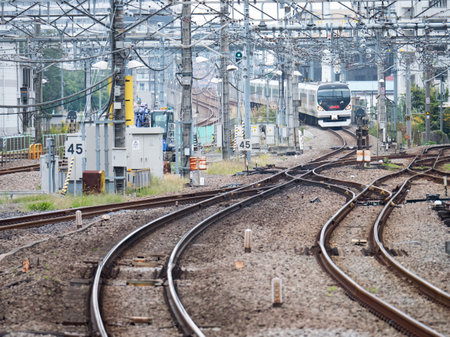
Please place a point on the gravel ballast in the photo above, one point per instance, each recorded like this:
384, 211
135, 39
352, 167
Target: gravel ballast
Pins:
228, 291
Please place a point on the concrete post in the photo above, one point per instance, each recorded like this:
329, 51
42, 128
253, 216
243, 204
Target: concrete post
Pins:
186, 82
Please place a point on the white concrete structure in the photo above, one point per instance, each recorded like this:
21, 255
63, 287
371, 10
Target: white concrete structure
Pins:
13, 76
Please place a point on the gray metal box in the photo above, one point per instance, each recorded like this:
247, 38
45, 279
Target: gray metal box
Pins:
99, 150
49, 174
145, 150
119, 157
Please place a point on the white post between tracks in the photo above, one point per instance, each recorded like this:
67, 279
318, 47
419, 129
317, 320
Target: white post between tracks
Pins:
248, 241
277, 292
78, 218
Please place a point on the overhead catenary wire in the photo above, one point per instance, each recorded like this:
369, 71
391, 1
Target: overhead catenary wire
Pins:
66, 60
146, 65
56, 100
74, 99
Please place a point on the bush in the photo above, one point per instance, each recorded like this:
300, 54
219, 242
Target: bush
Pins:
41, 206
170, 183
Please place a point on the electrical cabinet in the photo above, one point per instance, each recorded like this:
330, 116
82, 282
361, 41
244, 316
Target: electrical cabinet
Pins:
145, 150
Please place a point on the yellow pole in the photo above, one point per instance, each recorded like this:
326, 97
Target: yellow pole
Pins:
129, 110
111, 116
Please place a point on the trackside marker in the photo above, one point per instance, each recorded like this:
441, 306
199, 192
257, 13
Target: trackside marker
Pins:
78, 218
248, 240
277, 295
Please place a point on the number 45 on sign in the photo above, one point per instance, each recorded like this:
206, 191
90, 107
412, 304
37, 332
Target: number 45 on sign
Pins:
245, 145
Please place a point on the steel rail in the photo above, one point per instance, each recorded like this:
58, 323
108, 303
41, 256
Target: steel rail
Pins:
332, 153
353, 184
18, 169
186, 322
96, 317
389, 313
36, 220
426, 287
376, 236
187, 325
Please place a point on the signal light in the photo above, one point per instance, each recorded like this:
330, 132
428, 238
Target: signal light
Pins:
238, 56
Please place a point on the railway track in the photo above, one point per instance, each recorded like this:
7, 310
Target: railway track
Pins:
19, 169
148, 269
40, 219
382, 308
393, 315
184, 321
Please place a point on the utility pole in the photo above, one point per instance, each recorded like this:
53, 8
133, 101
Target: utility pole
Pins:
408, 99
186, 83
247, 75
289, 105
87, 84
224, 55
155, 101
118, 91
62, 76
38, 86
441, 96
395, 70
162, 99
282, 97
428, 79
381, 99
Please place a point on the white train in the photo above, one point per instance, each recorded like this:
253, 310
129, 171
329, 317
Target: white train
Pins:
326, 104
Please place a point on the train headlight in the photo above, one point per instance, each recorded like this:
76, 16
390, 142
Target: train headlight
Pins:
348, 107
319, 108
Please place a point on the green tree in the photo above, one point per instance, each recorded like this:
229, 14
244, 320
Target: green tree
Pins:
418, 111
51, 89
259, 115
73, 82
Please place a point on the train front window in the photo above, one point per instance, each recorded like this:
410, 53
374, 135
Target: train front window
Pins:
333, 98
160, 120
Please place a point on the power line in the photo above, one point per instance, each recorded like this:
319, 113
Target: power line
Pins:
56, 100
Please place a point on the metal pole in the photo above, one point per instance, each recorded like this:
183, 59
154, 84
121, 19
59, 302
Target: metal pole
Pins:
394, 133
427, 102
151, 105
282, 98
238, 94
381, 100
87, 84
267, 94
38, 93
186, 82
118, 90
290, 107
224, 54
247, 75
155, 103
162, 100
441, 115
62, 77
408, 101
